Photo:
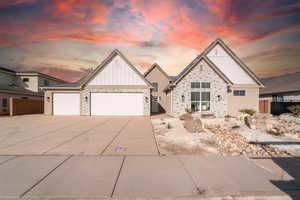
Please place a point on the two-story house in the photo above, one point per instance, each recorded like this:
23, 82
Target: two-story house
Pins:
22, 84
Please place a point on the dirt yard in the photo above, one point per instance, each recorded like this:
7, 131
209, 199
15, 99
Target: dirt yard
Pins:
253, 136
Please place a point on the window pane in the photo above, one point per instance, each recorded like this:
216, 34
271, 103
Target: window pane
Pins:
195, 106
205, 96
239, 92
195, 96
155, 86
195, 84
25, 79
4, 102
279, 98
205, 85
205, 106
46, 82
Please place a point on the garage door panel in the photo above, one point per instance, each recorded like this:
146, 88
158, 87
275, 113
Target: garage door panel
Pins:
119, 104
66, 104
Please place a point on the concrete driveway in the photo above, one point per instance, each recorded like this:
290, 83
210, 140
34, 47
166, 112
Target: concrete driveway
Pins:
76, 135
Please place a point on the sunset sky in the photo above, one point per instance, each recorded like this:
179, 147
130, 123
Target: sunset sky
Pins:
67, 38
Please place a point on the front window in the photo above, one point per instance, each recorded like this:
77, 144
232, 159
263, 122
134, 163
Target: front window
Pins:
277, 98
205, 101
239, 92
195, 101
205, 85
195, 84
155, 86
4, 102
25, 80
46, 82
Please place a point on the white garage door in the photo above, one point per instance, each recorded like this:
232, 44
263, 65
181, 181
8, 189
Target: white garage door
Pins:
66, 104
117, 104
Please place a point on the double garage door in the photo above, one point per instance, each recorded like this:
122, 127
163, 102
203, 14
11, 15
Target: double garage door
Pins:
119, 104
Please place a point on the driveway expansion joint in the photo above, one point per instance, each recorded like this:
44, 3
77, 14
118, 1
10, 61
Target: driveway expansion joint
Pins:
118, 176
44, 177
38, 136
115, 137
78, 135
8, 159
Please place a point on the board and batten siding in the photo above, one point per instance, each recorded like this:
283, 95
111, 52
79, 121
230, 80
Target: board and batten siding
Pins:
229, 66
117, 72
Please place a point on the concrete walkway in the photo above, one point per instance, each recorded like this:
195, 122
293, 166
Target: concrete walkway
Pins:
127, 177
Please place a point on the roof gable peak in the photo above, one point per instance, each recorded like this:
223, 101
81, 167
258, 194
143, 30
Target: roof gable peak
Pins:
106, 61
155, 65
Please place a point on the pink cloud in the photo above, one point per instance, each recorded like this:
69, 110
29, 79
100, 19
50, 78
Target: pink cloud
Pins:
6, 3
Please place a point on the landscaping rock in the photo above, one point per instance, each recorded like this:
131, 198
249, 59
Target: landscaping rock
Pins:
231, 143
186, 116
193, 125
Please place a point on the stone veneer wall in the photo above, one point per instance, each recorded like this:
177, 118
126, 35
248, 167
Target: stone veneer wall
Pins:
85, 106
200, 74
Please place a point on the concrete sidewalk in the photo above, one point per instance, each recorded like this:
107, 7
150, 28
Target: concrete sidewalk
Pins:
128, 177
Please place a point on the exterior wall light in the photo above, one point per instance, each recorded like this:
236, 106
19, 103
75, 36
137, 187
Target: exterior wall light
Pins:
48, 99
219, 97
229, 89
146, 99
182, 98
86, 98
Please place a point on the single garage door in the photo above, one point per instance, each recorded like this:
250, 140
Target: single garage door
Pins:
66, 104
117, 104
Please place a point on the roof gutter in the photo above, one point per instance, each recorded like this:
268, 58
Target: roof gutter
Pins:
60, 88
21, 93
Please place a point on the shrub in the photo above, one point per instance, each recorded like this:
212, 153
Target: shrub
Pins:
189, 110
295, 109
248, 111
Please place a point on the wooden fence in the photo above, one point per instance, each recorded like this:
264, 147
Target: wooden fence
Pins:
264, 106
25, 106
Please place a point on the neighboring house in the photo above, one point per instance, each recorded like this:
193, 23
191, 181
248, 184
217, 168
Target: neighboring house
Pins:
115, 87
284, 88
160, 100
22, 85
215, 83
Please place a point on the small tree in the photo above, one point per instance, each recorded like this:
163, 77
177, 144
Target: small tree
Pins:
295, 109
248, 111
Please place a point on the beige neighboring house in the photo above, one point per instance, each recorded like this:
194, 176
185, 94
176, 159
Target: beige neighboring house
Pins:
160, 100
115, 87
215, 83
25, 85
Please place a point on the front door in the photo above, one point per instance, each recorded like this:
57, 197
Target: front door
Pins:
155, 104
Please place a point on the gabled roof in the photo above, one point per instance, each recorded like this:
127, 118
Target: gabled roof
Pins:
234, 57
155, 65
85, 80
34, 73
190, 66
